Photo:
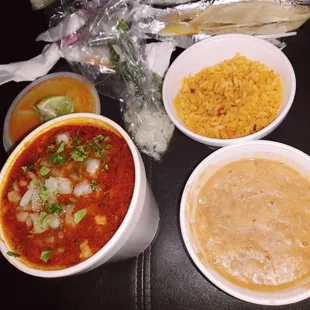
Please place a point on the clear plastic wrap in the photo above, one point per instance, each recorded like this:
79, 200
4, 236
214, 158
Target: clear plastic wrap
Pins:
112, 56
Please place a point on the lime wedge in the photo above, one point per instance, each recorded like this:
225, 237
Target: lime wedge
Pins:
53, 106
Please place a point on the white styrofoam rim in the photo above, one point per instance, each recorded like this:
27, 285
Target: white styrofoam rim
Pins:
222, 142
133, 210
7, 142
195, 174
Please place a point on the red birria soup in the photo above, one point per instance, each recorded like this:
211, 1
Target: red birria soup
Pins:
66, 195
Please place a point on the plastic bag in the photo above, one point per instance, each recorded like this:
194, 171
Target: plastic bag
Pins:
112, 56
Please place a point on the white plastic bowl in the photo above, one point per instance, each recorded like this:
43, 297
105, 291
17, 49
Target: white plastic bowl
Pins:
208, 53
139, 226
7, 142
255, 149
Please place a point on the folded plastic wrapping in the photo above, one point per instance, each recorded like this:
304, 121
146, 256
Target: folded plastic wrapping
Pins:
122, 66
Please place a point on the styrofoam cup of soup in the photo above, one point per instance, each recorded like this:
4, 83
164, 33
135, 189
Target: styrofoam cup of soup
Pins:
22, 110
266, 150
74, 195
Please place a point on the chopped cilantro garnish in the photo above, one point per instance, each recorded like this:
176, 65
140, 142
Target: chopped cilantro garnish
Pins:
54, 208
105, 167
61, 147
79, 215
77, 141
27, 168
46, 255
37, 182
94, 185
10, 253
107, 147
43, 215
97, 145
44, 171
79, 154
43, 193
58, 159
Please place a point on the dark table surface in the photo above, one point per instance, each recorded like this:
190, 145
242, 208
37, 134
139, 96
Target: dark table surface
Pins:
163, 277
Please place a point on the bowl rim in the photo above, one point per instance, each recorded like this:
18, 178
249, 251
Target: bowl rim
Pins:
184, 231
121, 232
222, 142
6, 139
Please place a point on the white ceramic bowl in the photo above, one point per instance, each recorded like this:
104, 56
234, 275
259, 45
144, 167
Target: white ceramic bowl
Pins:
7, 142
139, 225
254, 149
211, 51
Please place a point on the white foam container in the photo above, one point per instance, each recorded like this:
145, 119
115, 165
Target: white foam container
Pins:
255, 149
139, 226
7, 142
210, 52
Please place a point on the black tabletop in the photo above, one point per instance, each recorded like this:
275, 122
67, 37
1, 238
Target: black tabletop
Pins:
163, 277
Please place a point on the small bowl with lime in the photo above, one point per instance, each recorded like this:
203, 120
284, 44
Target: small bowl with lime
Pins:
46, 98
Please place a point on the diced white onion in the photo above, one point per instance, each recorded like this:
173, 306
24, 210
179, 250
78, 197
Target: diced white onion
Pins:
38, 225
25, 202
50, 239
92, 166
14, 197
22, 183
62, 137
63, 185
22, 216
53, 221
31, 175
33, 185
82, 189
36, 202
15, 187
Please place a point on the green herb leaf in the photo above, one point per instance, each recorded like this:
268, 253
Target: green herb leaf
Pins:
58, 159
94, 185
105, 167
73, 199
27, 168
54, 208
43, 215
77, 141
79, 215
122, 27
44, 171
79, 154
37, 182
43, 194
10, 253
61, 147
46, 255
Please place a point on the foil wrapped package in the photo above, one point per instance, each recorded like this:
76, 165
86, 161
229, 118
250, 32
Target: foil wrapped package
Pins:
188, 23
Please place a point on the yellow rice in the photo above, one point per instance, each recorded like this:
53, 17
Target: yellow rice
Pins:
235, 98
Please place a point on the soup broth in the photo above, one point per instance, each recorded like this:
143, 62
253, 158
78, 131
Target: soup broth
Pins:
251, 223
66, 195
